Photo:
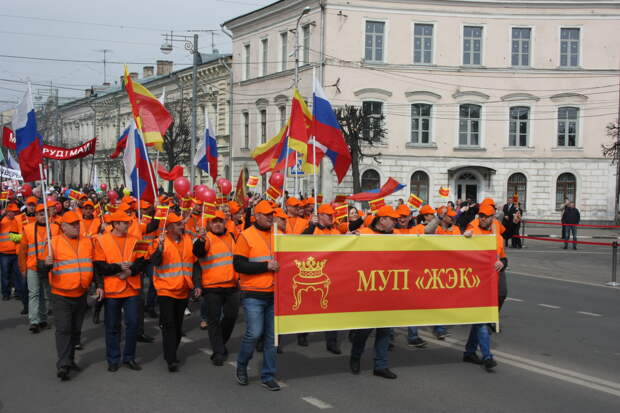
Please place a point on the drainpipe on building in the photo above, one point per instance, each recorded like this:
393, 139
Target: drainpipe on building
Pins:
230, 112
322, 74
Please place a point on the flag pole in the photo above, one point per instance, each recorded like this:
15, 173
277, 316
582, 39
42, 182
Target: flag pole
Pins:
316, 195
47, 221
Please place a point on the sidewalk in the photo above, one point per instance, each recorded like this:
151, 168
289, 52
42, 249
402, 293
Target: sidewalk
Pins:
555, 231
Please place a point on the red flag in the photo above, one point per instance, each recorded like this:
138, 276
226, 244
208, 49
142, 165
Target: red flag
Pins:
375, 204
391, 186
241, 195
415, 201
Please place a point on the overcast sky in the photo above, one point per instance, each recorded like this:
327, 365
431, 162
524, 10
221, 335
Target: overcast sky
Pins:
80, 30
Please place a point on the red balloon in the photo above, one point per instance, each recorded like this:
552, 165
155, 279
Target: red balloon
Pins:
199, 190
103, 187
225, 187
219, 180
26, 190
276, 179
112, 196
207, 195
181, 186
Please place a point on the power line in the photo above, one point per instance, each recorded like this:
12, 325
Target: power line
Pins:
117, 26
50, 59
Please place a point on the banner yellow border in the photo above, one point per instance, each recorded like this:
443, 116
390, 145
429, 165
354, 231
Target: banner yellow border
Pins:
338, 243
307, 323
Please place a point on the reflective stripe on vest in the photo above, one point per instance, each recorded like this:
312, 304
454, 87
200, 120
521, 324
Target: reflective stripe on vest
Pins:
265, 258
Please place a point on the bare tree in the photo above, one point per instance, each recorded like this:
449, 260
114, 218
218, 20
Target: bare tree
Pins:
612, 151
363, 131
177, 140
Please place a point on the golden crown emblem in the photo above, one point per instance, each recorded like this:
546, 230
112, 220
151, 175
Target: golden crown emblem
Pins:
310, 277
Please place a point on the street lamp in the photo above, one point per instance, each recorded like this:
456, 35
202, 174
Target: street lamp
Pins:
192, 46
305, 11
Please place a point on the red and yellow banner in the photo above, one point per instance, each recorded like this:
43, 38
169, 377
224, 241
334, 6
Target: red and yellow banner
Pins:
341, 282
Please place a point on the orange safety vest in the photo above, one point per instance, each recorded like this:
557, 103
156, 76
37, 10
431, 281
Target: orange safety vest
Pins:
37, 250
89, 227
402, 231
325, 231
499, 240
217, 266
150, 237
296, 225
173, 277
134, 228
418, 229
72, 271
113, 286
454, 230
260, 251
192, 225
26, 219
6, 227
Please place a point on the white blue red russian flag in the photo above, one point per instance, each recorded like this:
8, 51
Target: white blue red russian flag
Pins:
28, 142
206, 154
327, 135
121, 142
138, 172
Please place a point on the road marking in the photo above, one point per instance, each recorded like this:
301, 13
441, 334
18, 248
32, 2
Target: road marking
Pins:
518, 300
317, 403
555, 307
206, 351
185, 339
591, 314
545, 277
541, 368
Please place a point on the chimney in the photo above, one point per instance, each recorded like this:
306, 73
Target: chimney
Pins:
147, 71
164, 67
133, 75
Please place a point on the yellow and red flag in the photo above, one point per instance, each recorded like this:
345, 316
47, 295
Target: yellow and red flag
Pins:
415, 201
252, 181
444, 192
341, 212
4, 196
375, 204
351, 282
340, 199
209, 210
273, 192
151, 116
161, 212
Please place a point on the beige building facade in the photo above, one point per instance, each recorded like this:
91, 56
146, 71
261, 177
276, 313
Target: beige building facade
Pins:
487, 98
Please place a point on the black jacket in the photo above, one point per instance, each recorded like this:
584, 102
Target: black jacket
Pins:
571, 216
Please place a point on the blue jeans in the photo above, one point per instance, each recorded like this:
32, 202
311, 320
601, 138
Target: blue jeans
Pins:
204, 308
151, 294
10, 272
567, 230
130, 307
38, 297
382, 343
479, 337
412, 332
259, 321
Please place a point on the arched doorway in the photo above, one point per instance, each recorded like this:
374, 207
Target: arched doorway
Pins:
370, 180
467, 186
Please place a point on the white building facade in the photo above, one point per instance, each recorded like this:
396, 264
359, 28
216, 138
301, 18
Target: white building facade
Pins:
487, 98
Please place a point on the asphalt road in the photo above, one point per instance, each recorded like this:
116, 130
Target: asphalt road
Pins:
558, 351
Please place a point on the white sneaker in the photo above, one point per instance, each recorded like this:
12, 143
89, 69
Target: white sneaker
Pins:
187, 312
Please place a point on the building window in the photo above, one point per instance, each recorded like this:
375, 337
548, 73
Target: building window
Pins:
305, 30
420, 123
521, 46
282, 110
370, 180
263, 125
567, 126
284, 50
423, 43
419, 185
517, 186
246, 130
565, 190
469, 125
569, 48
519, 126
372, 112
375, 44
472, 45
246, 59
264, 57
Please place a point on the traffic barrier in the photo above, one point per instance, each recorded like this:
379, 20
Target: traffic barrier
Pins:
570, 225
614, 252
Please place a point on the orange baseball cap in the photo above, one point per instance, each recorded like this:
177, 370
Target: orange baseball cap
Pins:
124, 207
450, 212
70, 217
173, 218
119, 217
88, 203
280, 213
144, 204
326, 209
487, 210
39, 208
12, 207
106, 218
488, 201
310, 201
292, 201
264, 207
387, 211
32, 200
234, 207
427, 209
219, 214
403, 210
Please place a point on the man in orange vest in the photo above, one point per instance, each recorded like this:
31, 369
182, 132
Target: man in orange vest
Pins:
428, 222
323, 224
403, 224
118, 267
35, 237
383, 223
173, 262
219, 283
447, 225
71, 265
90, 225
10, 237
479, 336
30, 212
254, 261
296, 223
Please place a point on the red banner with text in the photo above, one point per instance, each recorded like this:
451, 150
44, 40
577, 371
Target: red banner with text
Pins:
54, 152
341, 282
